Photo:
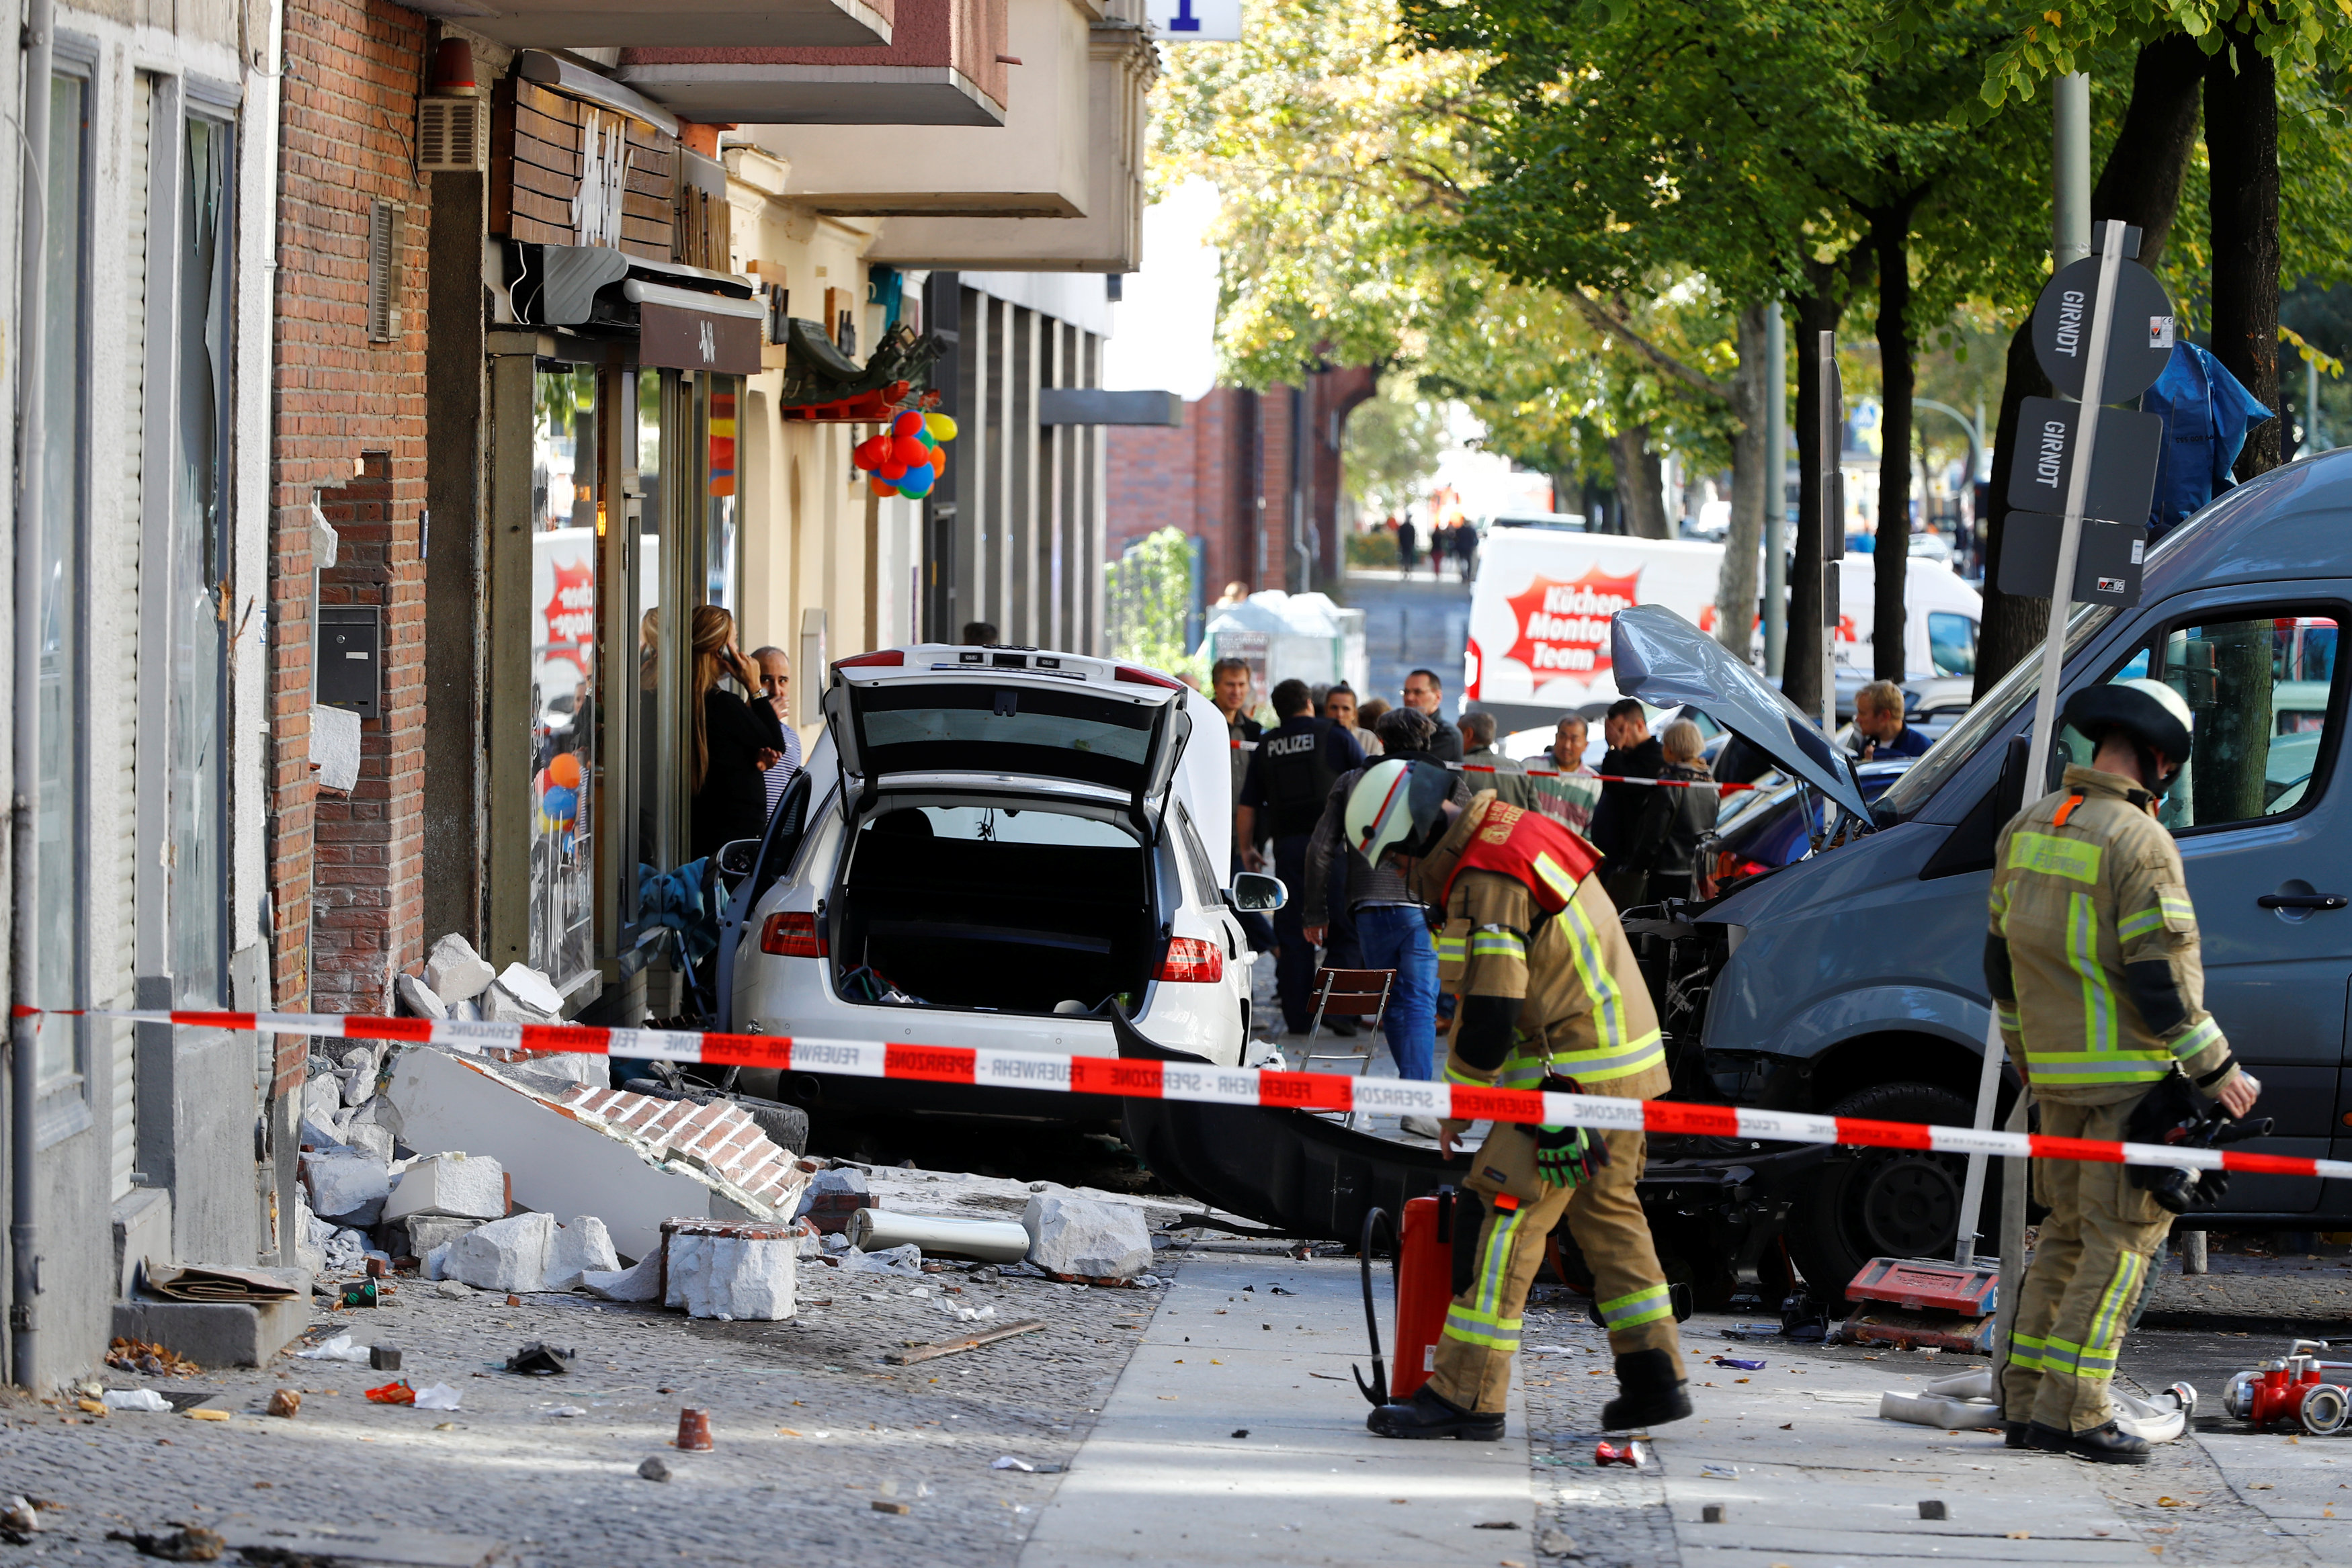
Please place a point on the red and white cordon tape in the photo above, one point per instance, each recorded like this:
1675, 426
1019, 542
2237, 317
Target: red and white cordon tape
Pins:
1204, 1084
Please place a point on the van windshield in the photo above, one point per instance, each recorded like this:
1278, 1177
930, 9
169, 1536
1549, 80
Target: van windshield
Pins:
977, 728
1991, 712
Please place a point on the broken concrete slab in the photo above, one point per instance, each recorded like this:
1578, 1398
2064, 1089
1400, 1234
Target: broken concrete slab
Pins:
346, 1185
631, 1160
370, 1139
508, 1254
420, 999
501, 1005
642, 1283
427, 1231
460, 1185
531, 988
456, 972
1078, 1235
581, 1246
744, 1272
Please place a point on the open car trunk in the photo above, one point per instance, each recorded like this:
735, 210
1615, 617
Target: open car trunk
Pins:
922, 918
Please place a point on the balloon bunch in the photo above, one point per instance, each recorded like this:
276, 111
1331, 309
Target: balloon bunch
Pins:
557, 788
909, 456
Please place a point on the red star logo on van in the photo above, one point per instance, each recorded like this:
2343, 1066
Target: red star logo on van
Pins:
1564, 627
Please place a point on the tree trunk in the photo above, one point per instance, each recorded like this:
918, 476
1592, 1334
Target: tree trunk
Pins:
1800, 664
2140, 184
1890, 236
1641, 484
2241, 142
1735, 591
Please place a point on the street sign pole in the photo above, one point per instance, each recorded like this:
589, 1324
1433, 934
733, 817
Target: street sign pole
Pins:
1830, 534
2037, 766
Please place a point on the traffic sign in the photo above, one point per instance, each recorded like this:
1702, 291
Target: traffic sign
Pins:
2139, 345
1197, 21
2106, 563
2123, 460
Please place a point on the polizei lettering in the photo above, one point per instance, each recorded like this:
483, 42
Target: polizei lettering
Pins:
2050, 454
2072, 306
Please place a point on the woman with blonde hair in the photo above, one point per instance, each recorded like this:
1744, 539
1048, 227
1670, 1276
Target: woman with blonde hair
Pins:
1666, 836
735, 742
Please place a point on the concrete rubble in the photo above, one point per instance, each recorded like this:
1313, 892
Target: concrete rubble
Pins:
454, 972
453, 1185
525, 1253
1081, 1237
710, 1269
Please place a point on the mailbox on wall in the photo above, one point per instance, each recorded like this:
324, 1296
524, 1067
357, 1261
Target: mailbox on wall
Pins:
350, 658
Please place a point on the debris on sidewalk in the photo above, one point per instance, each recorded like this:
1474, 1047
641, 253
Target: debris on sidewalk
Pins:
285, 1402
526, 1252
438, 1396
538, 1359
135, 1399
348, 1186
694, 1430
655, 1469
19, 1520
339, 1348
384, 1358
634, 1160
452, 1185
155, 1359
1079, 1236
736, 1270
833, 1197
918, 1352
981, 1240
189, 1543
456, 972
640, 1283
1632, 1454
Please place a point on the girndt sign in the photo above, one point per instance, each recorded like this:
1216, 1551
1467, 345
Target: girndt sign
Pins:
2137, 347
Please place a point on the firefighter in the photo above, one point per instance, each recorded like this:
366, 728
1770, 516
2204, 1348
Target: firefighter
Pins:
1550, 997
2094, 969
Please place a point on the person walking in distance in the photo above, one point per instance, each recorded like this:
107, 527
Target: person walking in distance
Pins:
1549, 998
2098, 981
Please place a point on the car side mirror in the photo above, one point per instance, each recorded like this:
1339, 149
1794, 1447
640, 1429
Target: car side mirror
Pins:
739, 857
1254, 893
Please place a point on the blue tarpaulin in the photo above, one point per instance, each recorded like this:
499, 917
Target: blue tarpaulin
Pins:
2207, 412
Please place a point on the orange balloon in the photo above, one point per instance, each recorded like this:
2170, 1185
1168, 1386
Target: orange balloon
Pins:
564, 770
880, 486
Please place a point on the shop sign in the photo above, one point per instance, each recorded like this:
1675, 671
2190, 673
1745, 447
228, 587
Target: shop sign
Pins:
687, 339
1564, 627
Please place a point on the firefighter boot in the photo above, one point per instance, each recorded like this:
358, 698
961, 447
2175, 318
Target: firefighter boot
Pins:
1648, 1392
2103, 1445
1428, 1414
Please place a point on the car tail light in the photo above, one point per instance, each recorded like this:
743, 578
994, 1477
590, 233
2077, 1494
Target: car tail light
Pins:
1192, 958
869, 661
793, 933
1128, 673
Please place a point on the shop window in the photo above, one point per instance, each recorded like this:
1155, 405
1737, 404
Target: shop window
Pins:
60, 978
567, 520
199, 570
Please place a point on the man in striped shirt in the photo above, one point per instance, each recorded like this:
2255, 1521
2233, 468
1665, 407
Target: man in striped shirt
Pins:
776, 689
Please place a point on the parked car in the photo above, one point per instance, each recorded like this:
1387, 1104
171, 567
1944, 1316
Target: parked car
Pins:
1850, 982
996, 847
1776, 824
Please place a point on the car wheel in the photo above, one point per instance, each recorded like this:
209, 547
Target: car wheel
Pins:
1879, 1203
787, 1126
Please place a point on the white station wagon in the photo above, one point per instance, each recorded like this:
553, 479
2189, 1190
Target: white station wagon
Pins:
995, 847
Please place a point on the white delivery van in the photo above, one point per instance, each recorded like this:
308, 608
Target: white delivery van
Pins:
1539, 615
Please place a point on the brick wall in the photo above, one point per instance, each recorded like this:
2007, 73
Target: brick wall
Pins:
349, 433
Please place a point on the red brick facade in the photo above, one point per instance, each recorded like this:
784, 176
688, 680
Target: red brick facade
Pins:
350, 433
1226, 478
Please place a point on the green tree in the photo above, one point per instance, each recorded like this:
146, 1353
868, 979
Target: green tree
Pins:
1391, 446
1147, 602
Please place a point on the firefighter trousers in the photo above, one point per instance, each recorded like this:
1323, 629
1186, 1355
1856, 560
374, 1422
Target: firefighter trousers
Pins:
1473, 1367
2089, 1268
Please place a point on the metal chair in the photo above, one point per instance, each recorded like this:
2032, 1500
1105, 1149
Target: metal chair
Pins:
1361, 994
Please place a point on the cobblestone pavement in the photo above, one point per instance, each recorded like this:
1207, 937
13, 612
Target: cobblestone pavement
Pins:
812, 1431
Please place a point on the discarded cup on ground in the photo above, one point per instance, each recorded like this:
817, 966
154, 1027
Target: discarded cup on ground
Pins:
1631, 1455
694, 1430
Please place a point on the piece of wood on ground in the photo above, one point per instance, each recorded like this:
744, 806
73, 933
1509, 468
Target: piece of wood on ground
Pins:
917, 1352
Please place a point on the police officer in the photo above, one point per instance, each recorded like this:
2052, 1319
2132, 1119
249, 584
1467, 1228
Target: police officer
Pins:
1550, 997
2094, 968
1290, 773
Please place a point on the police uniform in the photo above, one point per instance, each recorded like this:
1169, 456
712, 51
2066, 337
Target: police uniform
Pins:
2094, 967
1528, 928
1290, 776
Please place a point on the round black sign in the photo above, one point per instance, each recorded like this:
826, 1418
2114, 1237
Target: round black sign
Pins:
2138, 346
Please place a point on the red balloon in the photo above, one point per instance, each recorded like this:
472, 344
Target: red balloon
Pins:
906, 449
906, 424
893, 471
871, 452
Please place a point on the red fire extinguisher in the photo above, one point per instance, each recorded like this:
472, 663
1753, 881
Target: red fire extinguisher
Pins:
1423, 1273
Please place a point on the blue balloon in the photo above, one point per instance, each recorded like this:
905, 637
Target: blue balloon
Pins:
919, 480
560, 804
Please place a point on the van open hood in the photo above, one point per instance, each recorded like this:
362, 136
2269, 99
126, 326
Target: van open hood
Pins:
1665, 660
